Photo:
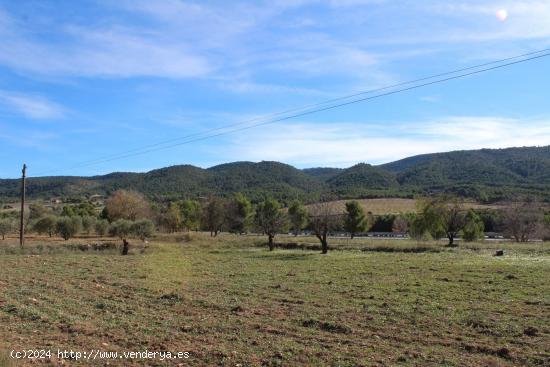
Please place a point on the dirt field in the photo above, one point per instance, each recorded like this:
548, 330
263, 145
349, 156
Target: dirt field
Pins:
228, 301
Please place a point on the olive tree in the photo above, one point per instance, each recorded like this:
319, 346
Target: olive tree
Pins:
101, 227
88, 223
122, 229
323, 219
6, 227
271, 219
46, 224
68, 227
142, 229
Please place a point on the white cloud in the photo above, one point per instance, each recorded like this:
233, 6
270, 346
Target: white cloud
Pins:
114, 52
30, 106
345, 144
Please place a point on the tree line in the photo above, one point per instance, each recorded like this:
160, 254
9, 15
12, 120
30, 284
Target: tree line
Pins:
128, 214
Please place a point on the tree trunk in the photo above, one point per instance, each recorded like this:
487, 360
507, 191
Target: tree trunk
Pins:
451, 240
324, 244
271, 245
125, 247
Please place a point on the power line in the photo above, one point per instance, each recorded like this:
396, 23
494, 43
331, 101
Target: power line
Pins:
307, 109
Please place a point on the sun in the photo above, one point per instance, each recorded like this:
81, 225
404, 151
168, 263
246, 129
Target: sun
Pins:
502, 15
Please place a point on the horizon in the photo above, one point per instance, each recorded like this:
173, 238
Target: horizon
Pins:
144, 72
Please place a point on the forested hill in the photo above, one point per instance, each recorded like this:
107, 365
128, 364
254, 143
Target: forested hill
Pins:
486, 175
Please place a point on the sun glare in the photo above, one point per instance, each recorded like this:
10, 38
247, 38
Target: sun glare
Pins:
502, 15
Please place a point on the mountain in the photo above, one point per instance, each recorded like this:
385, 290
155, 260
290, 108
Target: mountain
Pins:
362, 180
255, 180
486, 175
323, 173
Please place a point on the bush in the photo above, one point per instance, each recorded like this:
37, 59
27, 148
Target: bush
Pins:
68, 227
142, 229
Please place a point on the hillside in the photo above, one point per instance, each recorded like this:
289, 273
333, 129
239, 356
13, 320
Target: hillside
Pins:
485, 175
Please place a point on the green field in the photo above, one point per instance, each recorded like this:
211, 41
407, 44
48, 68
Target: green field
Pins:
229, 301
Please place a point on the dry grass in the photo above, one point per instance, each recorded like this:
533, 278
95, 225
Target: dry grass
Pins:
396, 205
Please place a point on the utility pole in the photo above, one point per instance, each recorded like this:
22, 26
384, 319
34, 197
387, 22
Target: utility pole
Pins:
22, 224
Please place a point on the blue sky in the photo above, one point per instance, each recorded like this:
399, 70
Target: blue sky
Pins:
88, 79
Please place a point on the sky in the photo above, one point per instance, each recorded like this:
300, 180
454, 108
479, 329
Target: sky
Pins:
89, 79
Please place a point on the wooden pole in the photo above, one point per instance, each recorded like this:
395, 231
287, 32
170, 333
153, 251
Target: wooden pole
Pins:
22, 222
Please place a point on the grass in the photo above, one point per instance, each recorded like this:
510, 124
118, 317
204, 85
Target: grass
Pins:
230, 302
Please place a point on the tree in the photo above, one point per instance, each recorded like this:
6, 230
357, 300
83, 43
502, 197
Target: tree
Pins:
419, 229
37, 211
546, 235
239, 214
88, 223
68, 227
401, 223
191, 213
81, 210
6, 227
129, 205
474, 228
46, 224
172, 218
323, 220
142, 229
213, 215
355, 219
298, 216
523, 220
271, 219
122, 229
444, 216
101, 227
